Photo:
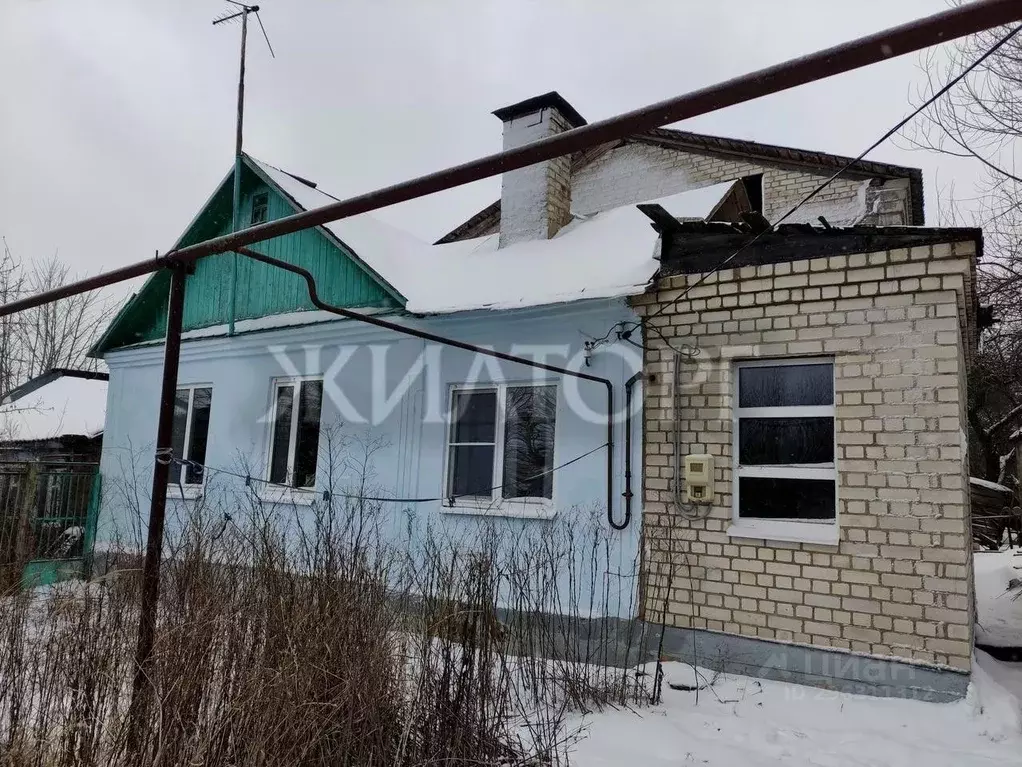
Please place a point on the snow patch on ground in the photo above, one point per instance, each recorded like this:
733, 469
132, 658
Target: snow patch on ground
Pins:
749, 722
998, 607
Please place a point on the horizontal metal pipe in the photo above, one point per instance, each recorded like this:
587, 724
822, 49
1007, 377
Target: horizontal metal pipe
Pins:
896, 41
941, 27
83, 286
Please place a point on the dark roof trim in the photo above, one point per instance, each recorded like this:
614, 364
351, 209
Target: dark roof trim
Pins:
63, 442
48, 377
788, 155
701, 247
475, 226
704, 143
553, 100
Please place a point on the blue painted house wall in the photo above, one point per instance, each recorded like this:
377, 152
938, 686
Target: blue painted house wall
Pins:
411, 461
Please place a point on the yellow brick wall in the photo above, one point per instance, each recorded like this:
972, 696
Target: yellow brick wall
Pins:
899, 582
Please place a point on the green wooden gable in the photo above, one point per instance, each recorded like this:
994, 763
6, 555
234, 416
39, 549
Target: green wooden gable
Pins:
262, 290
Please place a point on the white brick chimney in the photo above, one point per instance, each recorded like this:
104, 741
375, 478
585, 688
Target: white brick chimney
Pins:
535, 202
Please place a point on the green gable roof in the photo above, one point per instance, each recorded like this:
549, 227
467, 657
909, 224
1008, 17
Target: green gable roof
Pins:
342, 278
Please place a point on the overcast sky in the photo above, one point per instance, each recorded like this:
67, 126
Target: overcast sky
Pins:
118, 115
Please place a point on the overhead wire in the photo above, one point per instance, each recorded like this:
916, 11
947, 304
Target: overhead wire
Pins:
645, 321
328, 494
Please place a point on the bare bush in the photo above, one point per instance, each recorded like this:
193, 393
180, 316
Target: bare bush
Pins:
308, 636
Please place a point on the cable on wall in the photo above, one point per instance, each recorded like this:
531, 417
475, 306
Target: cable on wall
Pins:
327, 495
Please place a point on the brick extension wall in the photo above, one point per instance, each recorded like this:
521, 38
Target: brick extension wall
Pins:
898, 326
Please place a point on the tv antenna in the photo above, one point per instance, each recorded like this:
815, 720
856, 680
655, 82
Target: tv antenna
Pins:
229, 16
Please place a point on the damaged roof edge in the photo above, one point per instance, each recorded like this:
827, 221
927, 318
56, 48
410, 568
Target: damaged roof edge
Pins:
698, 248
670, 138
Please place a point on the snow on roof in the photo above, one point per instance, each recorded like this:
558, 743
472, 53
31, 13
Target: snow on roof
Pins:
605, 255
385, 249
989, 485
65, 407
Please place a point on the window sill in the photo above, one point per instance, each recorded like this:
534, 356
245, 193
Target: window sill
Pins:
511, 509
288, 496
184, 493
794, 532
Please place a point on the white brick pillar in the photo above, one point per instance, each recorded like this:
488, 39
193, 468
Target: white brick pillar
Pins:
535, 202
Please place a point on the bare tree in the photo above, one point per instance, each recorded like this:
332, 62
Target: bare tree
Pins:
12, 286
58, 334
981, 120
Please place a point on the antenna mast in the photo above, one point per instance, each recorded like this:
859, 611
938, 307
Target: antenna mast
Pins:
239, 132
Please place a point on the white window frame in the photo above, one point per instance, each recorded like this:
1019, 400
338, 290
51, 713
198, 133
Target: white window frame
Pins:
182, 489
824, 531
301, 496
252, 208
496, 505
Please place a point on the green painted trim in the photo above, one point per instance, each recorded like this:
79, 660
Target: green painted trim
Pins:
142, 318
92, 522
340, 244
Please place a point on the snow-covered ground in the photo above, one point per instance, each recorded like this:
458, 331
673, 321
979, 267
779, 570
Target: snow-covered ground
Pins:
749, 722
998, 607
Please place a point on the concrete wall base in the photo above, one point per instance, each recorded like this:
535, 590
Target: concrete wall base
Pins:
812, 666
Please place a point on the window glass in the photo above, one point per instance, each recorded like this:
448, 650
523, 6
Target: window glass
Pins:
786, 498
307, 438
471, 471
529, 441
190, 433
475, 416
202, 399
784, 456
786, 385
260, 208
764, 441
473, 443
177, 439
505, 432
281, 434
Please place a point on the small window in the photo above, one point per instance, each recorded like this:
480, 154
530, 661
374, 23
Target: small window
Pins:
260, 208
294, 443
501, 444
190, 433
784, 441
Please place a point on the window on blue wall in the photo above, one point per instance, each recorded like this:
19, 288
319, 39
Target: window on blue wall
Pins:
501, 444
190, 434
260, 208
294, 441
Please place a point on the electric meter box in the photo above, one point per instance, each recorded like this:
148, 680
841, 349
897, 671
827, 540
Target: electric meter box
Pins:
699, 478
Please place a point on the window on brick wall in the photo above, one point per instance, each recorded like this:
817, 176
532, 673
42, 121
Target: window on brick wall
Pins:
784, 442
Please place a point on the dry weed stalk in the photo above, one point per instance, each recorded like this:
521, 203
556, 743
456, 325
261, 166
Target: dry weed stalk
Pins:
315, 636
